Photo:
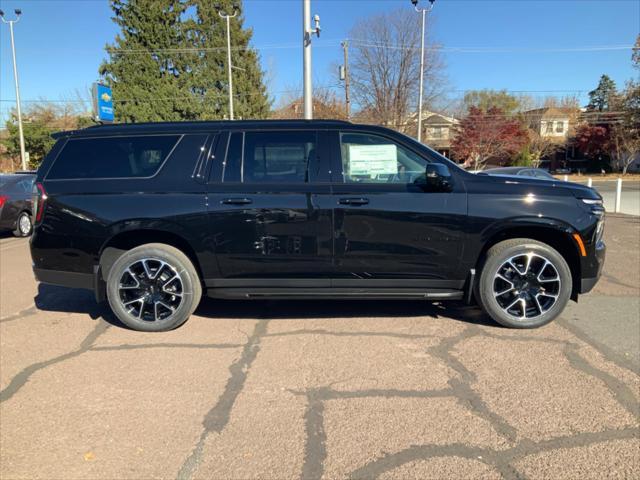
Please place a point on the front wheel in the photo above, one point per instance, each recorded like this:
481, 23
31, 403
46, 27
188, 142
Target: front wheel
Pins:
153, 287
524, 283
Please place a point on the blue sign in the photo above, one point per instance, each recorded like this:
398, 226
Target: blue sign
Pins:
102, 103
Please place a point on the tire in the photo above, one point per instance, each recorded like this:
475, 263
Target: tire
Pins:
24, 226
153, 288
518, 294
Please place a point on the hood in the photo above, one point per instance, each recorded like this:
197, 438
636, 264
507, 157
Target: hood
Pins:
577, 190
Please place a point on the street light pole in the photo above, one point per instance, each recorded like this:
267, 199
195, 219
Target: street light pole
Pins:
347, 98
23, 155
307, 31
229, 66
423, 11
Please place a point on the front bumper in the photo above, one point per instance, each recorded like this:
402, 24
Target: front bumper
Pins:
593, 268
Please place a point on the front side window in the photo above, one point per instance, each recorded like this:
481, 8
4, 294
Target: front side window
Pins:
112, 157
369, 158
270, 157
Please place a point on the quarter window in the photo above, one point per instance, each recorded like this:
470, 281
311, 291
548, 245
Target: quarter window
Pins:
368, 158
112, 157
270, 157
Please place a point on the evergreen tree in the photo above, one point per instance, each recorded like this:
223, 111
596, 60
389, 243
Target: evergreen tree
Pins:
208, 34
142, 70
169, 63
601, 98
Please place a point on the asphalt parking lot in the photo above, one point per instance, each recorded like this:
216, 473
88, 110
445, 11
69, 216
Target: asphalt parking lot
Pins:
320, 389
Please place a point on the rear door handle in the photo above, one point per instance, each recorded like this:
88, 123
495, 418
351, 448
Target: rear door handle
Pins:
354, 201
237, 201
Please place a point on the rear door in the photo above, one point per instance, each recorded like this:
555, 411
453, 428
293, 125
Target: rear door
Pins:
269, 210
389, 230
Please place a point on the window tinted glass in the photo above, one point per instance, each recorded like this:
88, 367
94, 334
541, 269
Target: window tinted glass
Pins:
112, 157
233, 162
277, 156
26, 184
368, 158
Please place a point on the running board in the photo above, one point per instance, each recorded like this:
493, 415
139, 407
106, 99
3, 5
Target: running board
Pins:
335, 293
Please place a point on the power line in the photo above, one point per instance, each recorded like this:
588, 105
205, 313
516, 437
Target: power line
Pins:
597, 48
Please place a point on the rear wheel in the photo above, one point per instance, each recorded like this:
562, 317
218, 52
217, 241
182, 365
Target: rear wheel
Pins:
23, 225
153, 287
524, 283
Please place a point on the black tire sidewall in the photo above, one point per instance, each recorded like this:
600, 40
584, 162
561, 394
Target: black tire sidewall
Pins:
180, 262
495, 261
18, 232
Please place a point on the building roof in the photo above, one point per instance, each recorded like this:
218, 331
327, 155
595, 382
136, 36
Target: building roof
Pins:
551, 112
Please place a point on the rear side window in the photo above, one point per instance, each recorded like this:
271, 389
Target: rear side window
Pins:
270, 157
112, 157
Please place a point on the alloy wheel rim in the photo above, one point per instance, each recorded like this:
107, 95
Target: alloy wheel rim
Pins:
151, 290
526, 286
24, 224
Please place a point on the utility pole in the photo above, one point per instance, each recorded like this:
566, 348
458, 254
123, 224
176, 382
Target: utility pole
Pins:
306, 56
23, 155
423, 11
229, 66
347, 99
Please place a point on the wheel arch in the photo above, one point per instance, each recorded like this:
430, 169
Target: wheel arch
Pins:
555, 235
126, 240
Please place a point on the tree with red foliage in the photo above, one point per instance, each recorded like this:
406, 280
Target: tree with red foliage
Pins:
490, 134
593, 139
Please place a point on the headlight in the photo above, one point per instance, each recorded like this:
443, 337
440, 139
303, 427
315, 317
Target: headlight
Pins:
596, 208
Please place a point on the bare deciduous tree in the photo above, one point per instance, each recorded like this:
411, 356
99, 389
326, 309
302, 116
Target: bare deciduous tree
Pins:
385, 68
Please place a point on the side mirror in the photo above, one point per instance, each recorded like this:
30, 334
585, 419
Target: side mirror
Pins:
437, 177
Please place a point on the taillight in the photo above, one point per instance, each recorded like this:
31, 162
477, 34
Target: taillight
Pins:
39, 197
3, 200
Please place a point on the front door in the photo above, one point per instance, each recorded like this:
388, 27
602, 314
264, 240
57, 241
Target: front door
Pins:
390, 229
270, 211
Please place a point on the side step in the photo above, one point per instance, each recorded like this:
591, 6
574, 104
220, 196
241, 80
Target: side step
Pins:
335, 293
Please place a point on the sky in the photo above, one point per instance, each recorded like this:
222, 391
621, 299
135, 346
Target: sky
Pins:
551, 47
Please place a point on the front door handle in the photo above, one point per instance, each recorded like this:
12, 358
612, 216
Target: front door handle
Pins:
237, 201
354, 201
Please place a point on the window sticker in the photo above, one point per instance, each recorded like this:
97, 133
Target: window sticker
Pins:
373, 159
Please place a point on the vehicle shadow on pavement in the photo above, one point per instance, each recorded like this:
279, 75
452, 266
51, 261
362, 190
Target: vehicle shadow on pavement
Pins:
73, 300
320, 309
51, 298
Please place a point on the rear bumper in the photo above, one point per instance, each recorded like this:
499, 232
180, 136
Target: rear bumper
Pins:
65, 279
87, 281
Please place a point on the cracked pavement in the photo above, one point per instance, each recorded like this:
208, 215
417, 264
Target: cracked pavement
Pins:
320, 389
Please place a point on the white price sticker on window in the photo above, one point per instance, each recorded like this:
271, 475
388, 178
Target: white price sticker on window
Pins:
373, 159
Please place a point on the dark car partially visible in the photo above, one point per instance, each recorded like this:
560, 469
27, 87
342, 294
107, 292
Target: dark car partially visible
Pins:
520, 172
15, 203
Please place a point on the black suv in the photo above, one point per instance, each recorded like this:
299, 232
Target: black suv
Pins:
150, 216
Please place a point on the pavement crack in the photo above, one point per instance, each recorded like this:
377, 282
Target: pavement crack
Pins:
620, 391
23, 376
26, 312
391, 461
315, 451
218, 416
606, 351
501, 460
461, 388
